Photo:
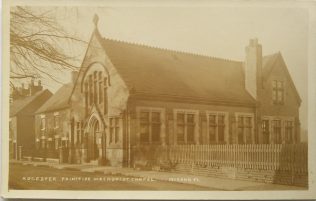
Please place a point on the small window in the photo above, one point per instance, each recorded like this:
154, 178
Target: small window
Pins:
111, 130
221, 128
100, 88
216, 128
212, 129
114, 129
289, 132
90, 90
245, 125
266, 131
117, 129
56, 121
180, 128
155, 126
278, 92
277, 131
150, 125
185, 127
78, 129
144, 127
43, 124
105, 96
190, 128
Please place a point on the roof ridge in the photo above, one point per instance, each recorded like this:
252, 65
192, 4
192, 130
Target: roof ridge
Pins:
272, 54
170, 50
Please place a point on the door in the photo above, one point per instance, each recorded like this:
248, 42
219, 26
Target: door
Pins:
93, 150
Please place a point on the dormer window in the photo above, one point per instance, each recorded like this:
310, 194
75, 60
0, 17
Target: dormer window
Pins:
278, 92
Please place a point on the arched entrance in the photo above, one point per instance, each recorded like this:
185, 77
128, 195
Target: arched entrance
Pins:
95, 141
93, 151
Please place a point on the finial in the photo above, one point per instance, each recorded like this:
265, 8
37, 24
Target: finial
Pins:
95, 20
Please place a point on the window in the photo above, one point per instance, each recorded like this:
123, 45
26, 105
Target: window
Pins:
117, 129
180, 128
56, 121
43, 144
277, 131
11, 134
105, 98
185, 127
90, 90
114, 129
245, 126
78, 129
221, 128
82, 132
95, 92
86, 91
150, 125
278, 92
155, 126
216, 128
288, 132
100, 88
43, 122
144, 127
57, 142
64, 142
265, 131
212, 128
190, 128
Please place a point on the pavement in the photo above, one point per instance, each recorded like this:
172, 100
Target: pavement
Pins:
211, 182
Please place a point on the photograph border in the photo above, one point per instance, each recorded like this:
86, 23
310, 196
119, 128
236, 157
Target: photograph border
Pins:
65, 194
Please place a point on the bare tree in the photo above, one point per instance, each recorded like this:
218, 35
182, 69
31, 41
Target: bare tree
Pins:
37, 44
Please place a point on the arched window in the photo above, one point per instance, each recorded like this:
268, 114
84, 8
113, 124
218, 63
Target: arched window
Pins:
105, 96
95, 91
100, 88
86, 94
94, 87
90, 90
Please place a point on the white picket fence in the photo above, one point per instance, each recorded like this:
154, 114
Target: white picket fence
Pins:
287, 157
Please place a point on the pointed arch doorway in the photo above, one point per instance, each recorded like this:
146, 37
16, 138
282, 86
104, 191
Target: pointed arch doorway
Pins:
96, 145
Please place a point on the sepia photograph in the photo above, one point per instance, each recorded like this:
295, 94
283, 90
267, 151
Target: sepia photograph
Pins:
130, 98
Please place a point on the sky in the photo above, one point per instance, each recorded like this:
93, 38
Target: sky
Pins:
213, 31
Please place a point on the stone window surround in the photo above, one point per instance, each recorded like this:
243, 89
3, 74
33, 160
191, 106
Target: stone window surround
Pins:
162, 112
282, 119
196, 122
226, 127
245, 114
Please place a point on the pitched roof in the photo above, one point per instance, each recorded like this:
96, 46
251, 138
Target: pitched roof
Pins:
59, 100
19, 105
267, 63
158, 71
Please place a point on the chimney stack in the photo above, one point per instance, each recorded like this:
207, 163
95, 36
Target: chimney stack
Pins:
253, 68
